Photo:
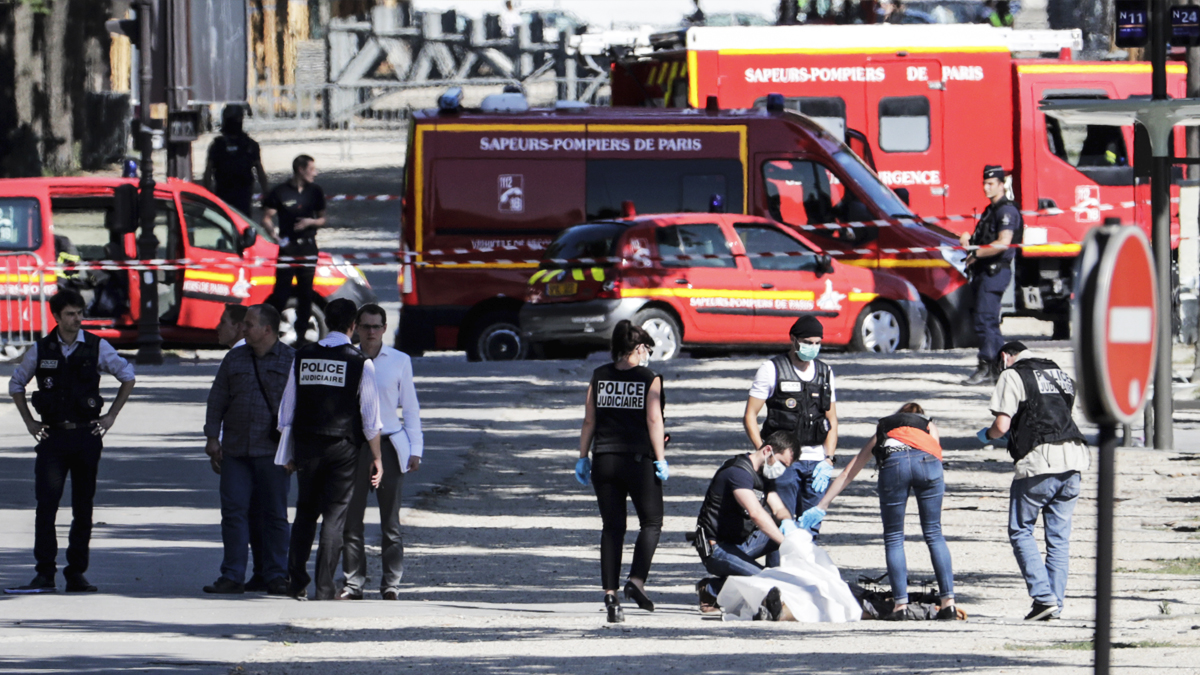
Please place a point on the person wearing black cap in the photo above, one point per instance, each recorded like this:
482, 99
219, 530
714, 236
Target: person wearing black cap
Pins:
234, 161
798, 392
990, 269
1032, 406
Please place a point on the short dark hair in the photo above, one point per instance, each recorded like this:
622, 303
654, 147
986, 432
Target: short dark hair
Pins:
781, 441
372, 308
236, 312
627, 337
1012, 348
912, 407
339, 315
64, 298
301, 163
267, 316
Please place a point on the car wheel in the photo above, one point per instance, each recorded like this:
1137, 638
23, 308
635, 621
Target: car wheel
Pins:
497, 337
662, 327
287, 324
12, 353
935, 335
879, 328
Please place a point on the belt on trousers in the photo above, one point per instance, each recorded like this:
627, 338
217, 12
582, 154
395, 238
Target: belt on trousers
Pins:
889, 449
69, 425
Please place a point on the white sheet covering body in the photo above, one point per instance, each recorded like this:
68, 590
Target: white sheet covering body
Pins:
810, 584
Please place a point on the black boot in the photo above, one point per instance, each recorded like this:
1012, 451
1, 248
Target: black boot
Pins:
982, 373
613, 605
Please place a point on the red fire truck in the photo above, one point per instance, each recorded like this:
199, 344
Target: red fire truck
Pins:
935, 104
487, 190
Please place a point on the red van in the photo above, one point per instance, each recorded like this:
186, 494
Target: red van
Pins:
486, 192
707, 279
44, 220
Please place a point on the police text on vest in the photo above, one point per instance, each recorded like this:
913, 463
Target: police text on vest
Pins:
629, 395
323, 371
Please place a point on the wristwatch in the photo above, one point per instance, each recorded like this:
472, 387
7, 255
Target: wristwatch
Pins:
832, 459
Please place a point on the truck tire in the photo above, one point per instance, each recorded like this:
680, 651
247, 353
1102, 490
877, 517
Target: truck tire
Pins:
880, 328
935, 335
497, 337
316, 323
668, 338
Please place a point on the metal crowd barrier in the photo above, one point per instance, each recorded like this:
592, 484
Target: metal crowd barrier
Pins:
24, 310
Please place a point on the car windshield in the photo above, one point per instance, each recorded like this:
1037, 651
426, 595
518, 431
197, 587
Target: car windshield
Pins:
594, 240
262, 231
876, 191
20, 224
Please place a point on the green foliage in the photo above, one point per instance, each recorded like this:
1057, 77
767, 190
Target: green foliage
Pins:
38, 6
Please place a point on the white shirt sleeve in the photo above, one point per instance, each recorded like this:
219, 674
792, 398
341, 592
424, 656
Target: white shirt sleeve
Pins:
24, 372
111, 362
411, 409
763, 386
1008, 394
287, 407
368, 401
832, 387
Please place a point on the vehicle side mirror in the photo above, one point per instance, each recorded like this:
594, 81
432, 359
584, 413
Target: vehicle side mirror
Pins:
248, 237
902, 193
857, 141
124, 218
824, 265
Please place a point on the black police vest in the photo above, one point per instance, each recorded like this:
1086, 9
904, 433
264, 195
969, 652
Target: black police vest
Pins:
798, 406
891, 423
729, 523
68, 386
327, 380
1045, 414
620, 398
233, 163
988, 230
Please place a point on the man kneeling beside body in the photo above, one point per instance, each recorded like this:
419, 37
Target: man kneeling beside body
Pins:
737, 522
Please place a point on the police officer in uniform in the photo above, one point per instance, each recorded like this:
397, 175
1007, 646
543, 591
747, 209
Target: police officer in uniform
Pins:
798, 392
623, 428
233, 161
300, 205
1032, 404
67, 364
990, 269
330, 405
742, 517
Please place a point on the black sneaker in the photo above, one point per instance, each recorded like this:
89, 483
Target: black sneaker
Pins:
1041, 612
79, 584
276, 586
40, 584
951, 613
772, 605
225, 586
257, 584
348, 594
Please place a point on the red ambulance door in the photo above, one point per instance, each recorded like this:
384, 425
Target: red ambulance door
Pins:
222, 277
904, 124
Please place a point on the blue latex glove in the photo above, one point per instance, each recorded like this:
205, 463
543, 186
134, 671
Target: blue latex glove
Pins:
788, 525
821, 477
662, 470
811, 518
994, 442
583, 470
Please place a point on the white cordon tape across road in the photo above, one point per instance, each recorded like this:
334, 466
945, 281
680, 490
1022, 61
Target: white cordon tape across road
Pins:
356, 198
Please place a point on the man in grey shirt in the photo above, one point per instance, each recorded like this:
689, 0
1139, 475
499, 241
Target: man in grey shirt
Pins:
240, 426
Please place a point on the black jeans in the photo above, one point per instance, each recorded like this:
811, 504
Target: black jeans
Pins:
284, 289
65, 451
615, 477
325, 468
354, 559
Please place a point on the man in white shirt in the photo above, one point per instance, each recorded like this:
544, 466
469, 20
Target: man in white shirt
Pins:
402, 448
798, 392
330, 408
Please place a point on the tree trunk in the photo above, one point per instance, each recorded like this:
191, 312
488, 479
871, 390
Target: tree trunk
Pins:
58, 139
23, 155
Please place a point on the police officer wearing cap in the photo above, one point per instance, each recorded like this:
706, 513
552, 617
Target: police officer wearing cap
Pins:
1032, 405
330, 406
798, 392
233, 162
67, 364
990, 269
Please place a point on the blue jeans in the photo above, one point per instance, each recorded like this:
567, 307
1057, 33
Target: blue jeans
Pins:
258, 481
921, 473
1054, 496
738, 560
795, 488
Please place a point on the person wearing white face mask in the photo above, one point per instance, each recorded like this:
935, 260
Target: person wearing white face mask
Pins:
798, 391
737, 520
623, 428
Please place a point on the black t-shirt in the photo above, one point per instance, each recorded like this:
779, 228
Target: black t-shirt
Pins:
292, 205
620, 398
233, 159
732, 522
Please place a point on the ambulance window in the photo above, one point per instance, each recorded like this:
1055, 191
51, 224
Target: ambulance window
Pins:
208, 227
766, 239
798, 192
702, 239
593, 240
1086, 145
828, 111
661, 186
20, 225
904, 124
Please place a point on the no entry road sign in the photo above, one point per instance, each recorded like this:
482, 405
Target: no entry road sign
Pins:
1116, 320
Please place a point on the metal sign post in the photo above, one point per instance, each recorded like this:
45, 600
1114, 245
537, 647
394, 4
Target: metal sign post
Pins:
1116, 320
149, 338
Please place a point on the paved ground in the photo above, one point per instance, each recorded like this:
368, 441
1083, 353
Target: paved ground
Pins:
502, 573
